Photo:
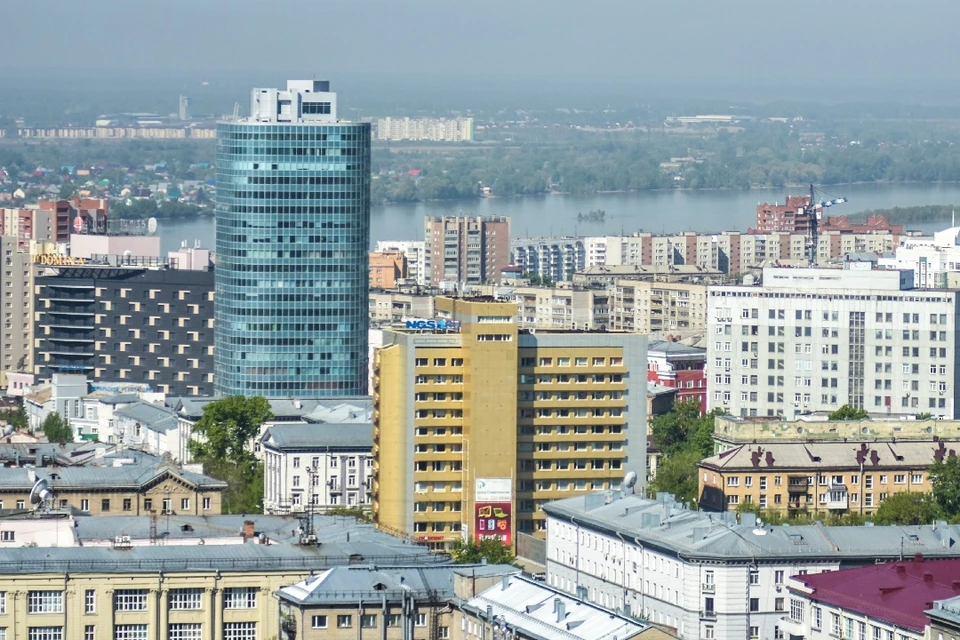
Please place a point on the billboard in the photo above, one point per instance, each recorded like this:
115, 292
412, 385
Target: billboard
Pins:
493, 522
494, 490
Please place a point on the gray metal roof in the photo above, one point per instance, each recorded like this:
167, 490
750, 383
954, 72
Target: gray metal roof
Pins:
124, 477
230, 557
804, 456
946, 610
286, 437
674, 348
531, 608
339, 585
152, 416
333, 409
674, 529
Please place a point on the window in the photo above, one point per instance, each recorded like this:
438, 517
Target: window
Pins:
240, 598
708, 632
444, 633
185, 504
105, 505
240, 631
835, 624
147, 504
817, 618
130, 600
181, 599
754, 576
89, 633
393, 619
318, 622
127, 504
45, 633
754, 604
89, 601
778, 604
420, 620
206, 504
368, 621
84, 505
796, 610
8, 536
754, 632
45, 602
185, 632
130, 632
344, 622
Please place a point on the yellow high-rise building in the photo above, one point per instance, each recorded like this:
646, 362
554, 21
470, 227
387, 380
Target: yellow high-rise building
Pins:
477, 423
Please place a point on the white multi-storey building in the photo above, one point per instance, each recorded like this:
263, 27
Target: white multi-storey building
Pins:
316, 466
413, 251
931, 259
554, 258
811, 339
705, 575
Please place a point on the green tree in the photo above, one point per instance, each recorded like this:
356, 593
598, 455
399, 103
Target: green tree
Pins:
923, 416
677, 474
224, 433
471, 552
56, 428
846, 412
684, 428
945, 477
908, 508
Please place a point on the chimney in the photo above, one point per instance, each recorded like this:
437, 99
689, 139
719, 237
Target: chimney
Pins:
955, 585
901, 568
561, 610
927, 576
489, 612
505, 583
918, 557
248, 530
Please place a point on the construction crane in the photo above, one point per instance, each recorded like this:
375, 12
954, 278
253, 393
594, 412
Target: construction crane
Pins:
813, 213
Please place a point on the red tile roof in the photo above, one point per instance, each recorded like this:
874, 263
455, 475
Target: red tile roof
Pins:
895, 592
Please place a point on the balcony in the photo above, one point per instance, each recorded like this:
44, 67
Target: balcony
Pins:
797, 484
708, 614
837, 497
708, 587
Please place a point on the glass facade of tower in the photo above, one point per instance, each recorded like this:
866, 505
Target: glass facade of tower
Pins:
293, 231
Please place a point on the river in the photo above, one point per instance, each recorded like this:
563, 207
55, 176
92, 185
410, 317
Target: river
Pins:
656, 211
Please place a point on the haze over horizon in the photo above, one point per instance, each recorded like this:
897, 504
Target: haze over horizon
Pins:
845, 46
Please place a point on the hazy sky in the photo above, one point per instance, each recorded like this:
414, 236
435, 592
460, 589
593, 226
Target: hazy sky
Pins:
833, 40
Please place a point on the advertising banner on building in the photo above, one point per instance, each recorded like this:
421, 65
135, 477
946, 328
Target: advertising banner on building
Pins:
494, 490
494, 507
493, 522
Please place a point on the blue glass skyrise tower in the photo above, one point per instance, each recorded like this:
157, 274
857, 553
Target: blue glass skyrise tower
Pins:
293, 231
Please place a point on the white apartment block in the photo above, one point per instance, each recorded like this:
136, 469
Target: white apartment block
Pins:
413, 251
931, 259
706, 576
554, 258
316, 467
811, 340
425, 129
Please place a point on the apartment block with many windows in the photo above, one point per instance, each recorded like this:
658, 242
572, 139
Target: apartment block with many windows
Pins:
477, 424
809, 340
127, 324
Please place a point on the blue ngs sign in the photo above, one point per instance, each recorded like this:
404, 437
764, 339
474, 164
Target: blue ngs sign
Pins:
430, 325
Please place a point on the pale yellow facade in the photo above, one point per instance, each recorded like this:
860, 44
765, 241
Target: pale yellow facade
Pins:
546, 412
144, 604
166, 493
658, 307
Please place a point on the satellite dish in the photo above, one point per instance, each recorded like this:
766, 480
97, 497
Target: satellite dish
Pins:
9, 429
40, 492
630, 480
152, 225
